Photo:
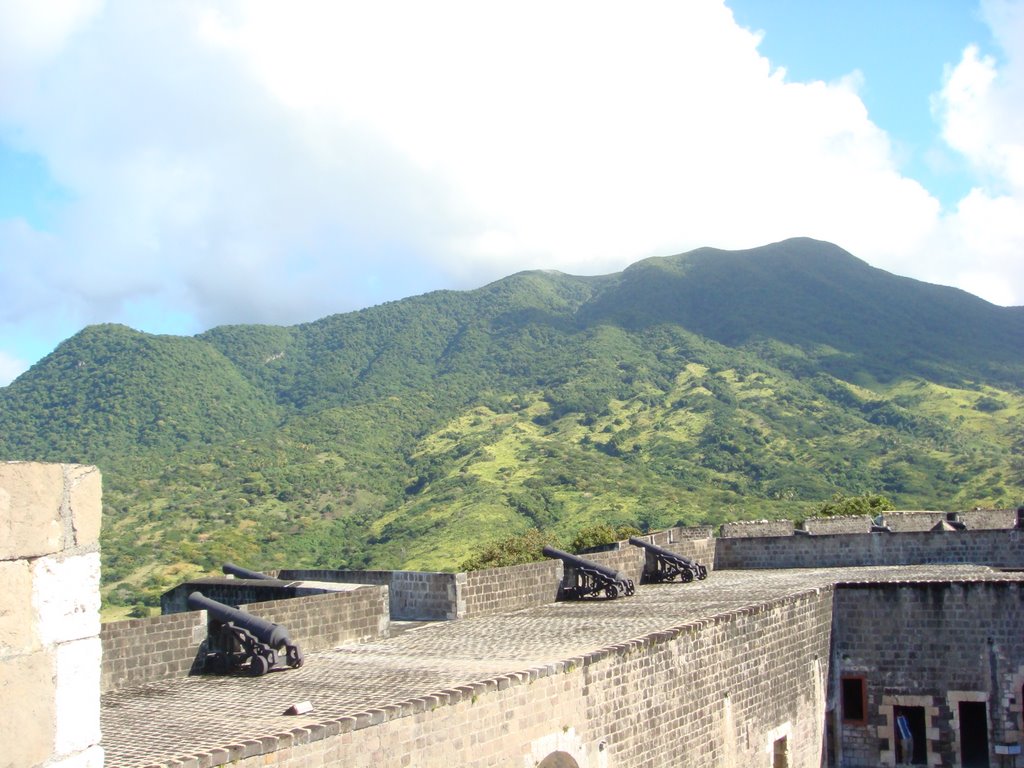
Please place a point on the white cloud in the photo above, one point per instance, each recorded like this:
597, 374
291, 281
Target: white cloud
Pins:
10, 368
980, 245
247, 161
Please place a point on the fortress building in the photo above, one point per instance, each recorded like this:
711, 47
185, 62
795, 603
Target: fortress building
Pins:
823, 645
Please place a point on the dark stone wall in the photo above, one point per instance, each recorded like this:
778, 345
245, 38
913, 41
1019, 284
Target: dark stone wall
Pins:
414, 595
500, 590
930, 645
145, 650
998, 548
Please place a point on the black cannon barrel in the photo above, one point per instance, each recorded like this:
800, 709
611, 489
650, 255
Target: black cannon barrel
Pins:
659, 550
265, 631
579, 562
243, 573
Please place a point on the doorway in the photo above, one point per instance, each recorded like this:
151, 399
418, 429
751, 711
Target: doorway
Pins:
974, 734
911, 735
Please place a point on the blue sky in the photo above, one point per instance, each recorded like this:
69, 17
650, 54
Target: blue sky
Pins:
178, 166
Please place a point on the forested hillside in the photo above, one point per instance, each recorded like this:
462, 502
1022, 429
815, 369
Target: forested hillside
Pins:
696, 388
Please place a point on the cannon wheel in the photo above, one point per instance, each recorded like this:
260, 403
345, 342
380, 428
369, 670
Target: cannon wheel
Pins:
611, 591
271, 656
295, 658
258, 666
630, 589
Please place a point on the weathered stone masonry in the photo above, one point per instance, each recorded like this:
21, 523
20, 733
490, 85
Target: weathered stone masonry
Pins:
736, 670
49, 617
719, 692
932, 645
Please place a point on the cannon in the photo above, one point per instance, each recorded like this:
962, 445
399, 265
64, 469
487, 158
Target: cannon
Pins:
591, 578
243, 573
235, 638
663, 565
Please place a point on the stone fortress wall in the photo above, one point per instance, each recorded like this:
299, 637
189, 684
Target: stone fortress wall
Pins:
141, 651
747, 685
929, 646
49, 615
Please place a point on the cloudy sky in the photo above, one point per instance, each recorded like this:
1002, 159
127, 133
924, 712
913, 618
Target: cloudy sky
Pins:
179, 165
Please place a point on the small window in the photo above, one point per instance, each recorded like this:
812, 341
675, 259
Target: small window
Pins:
855, 700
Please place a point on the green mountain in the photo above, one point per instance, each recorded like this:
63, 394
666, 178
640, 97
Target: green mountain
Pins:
697, 388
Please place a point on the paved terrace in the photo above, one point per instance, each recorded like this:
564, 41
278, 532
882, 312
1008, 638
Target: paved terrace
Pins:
224, 718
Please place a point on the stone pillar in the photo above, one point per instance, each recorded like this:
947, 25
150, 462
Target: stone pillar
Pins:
49, 615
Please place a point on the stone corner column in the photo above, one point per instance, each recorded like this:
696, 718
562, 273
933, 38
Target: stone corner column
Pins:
49, 615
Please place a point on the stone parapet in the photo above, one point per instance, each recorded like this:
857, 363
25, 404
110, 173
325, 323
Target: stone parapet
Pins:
499, 590
49, 615
414, 595
141, 651
818, 526
756, 529
998, 548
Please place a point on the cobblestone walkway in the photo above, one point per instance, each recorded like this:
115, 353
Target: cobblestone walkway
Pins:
159, 723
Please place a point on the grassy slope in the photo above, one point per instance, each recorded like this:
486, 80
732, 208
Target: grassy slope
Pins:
697, 388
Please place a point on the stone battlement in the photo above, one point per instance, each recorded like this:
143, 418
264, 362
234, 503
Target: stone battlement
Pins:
880, 635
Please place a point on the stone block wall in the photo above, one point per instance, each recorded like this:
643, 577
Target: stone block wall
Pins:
621, 556
693, 543
989, 518
500, 590
998, 548
930, 645
321, 622
820, 526
49, 615
756, 529
140, 651
904, 521
161, 647
415, 595
723, 692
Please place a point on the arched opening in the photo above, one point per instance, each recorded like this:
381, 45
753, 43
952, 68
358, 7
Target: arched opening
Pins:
558, 760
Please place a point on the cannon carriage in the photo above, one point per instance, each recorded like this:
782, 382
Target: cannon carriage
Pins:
663, 566
236, 639
589, 578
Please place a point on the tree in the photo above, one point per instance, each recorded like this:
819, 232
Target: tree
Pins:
513, 550
870, 504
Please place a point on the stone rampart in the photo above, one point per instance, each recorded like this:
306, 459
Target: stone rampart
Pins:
989, 518
49, 615
693, 543
756, 529
733, 690
819, 526
929, 645
139, 651
500, 590
621, 556
415, 595
999, 548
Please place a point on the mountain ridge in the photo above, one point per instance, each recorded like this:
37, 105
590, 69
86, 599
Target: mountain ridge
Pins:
693, 388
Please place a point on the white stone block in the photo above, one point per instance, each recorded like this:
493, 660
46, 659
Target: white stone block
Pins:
77, 696
66, 597
17, 620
